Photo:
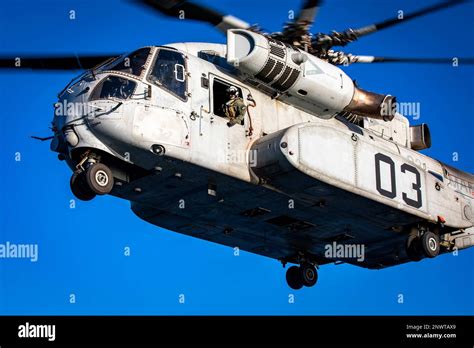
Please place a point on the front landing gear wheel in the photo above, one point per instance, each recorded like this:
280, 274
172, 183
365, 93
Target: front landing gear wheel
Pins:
309, 275
79, 187
99, 178
293, 278
430, 244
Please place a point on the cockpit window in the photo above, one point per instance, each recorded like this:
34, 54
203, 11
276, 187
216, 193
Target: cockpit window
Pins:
134, 63
113, 87
168, 71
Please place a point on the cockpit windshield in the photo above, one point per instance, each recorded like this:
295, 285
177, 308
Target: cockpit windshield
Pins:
134, 63
113, 87
169, 72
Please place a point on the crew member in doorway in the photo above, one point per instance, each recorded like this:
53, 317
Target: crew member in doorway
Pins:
235, 108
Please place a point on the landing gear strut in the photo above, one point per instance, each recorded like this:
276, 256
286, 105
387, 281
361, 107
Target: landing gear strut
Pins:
304, 275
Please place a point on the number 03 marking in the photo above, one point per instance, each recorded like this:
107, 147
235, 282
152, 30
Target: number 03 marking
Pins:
415, 186
379, 157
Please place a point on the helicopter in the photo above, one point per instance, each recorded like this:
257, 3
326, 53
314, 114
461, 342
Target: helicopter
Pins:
319, 171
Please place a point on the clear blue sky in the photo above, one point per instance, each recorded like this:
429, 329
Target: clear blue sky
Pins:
81, 250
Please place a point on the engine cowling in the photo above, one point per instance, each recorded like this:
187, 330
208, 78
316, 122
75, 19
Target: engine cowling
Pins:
302, 79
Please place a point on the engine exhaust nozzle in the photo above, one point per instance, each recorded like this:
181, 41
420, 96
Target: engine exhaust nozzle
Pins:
373, 105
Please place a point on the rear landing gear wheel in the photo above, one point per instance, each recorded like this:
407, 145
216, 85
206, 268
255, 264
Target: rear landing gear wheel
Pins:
430, 244
79, 187
305, 275
293, 278
309, 275
99, 178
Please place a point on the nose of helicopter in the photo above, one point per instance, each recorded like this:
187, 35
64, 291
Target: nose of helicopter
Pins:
69, 108
63, 135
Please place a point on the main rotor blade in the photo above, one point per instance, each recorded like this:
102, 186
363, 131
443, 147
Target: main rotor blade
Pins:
447, 61
303, 21
406, 17
52, 63
182, 9
297, 32
308, 11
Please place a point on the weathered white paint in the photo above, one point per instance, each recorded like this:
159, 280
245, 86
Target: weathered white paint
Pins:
321, 148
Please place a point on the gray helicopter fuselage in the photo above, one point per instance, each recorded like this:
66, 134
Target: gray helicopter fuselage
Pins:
286, 182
